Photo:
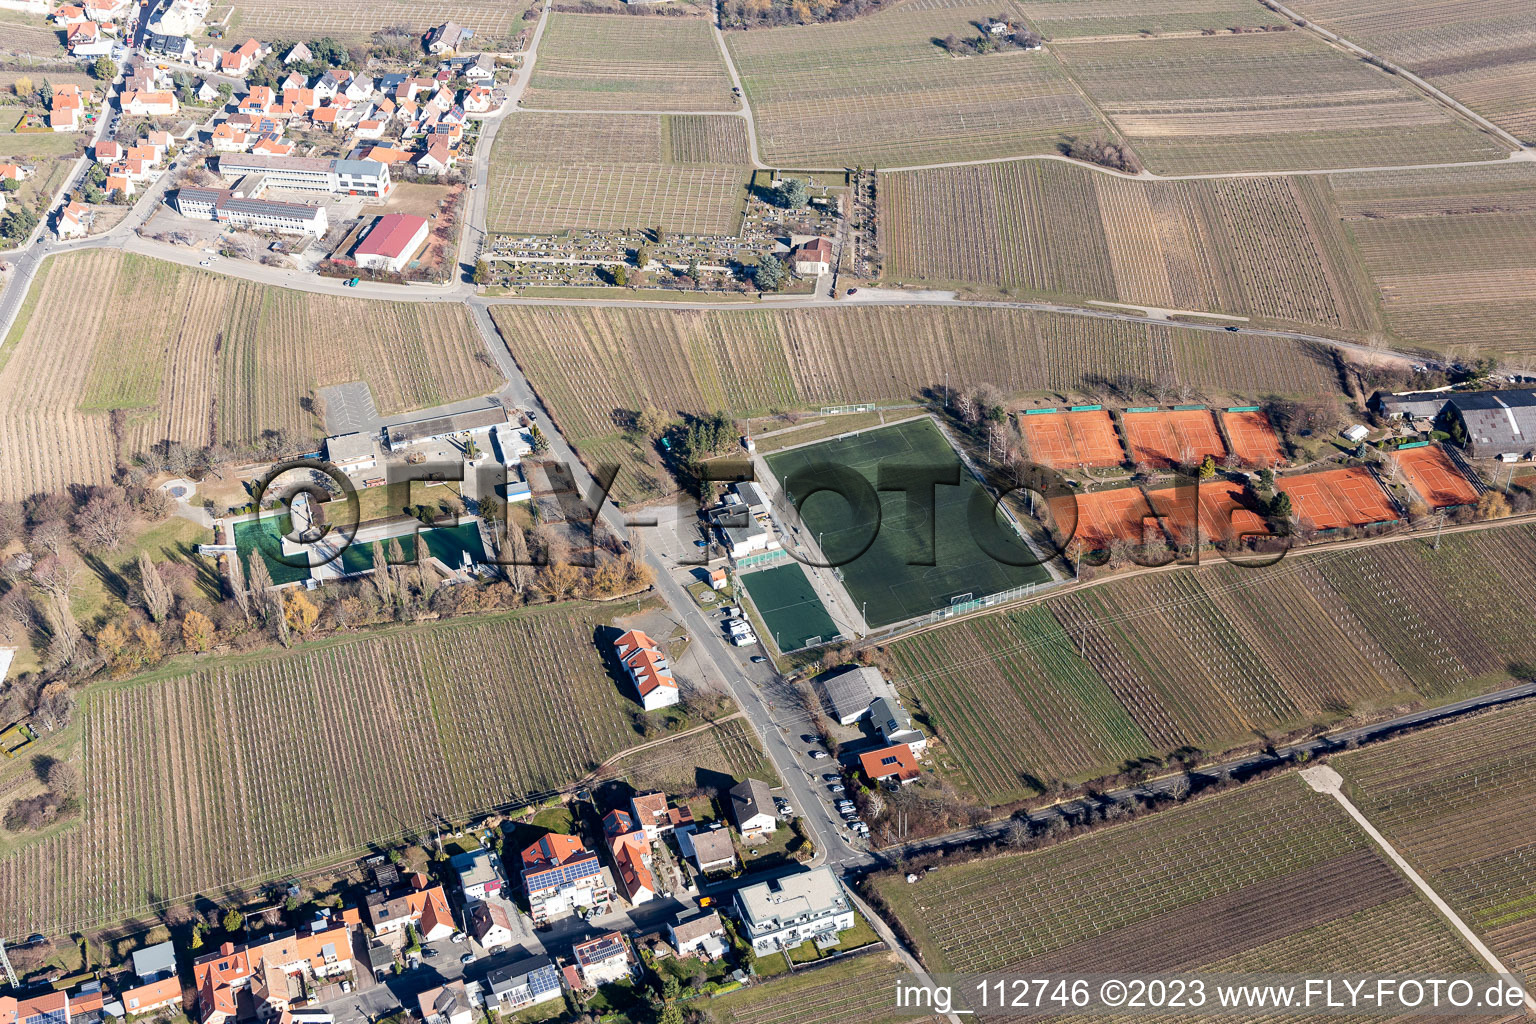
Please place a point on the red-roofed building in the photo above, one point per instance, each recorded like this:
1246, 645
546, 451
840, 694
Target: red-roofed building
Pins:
896, 763
391, 242
647, 667
559, 873
631, 852
423, 905
814, 258
151, 996
242, 59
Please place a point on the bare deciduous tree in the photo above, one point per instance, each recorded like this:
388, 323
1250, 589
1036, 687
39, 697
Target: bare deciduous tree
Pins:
157, 596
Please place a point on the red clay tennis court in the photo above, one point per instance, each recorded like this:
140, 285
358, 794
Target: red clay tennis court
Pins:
1172, 437
1253, 438
1104, 516
1338, 497
1223, 515
1065, 440
1436, 478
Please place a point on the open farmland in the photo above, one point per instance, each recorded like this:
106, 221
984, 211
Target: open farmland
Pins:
552, 172
854, 990
877, 90
1483, 54
1270, 877
616, 62
1068, 19
262, 765
1267, 247
495, 23
199, 358
755, 361
1208, 658
1452, 254
1456, 803
29, 35
1264, 101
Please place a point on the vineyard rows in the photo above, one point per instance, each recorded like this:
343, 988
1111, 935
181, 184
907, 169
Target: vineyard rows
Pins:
876, 90
265, 766
612, 62
998, 914
355, 22
200, 358
1263, 101
1268, 247
1144, 666
755, 361
1456, 802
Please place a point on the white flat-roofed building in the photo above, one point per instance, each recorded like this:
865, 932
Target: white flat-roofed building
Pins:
784, 912
353, 177
228, 207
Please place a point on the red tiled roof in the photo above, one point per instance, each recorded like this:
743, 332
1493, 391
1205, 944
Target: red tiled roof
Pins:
392, 236
889, 761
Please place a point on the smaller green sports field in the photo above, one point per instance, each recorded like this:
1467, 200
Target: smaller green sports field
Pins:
914, 564
789, 606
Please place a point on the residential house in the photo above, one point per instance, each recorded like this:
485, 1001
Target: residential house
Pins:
298, 53
141, 104
481, 70
489, 924
101, 47
272, 971
66, 109
651, 812
812, 258
648, 669
891, 764
69, 14
149, 996
108, 151
227, 138
258, 101
159, 141
81, 33
477, 100
523, 983
105, 10
479, 871
206, 91
698, 934
894, 725
631, 852
710, 850
13, 172
368, 129
119, 183
602, 960
241, 59
446, 1004
752, 810
300, 100
447, 38
206, 59
357, 88
784, 912
423, 905
381, 960
437, 158
73, 221
559, 874
385, 155
332, 82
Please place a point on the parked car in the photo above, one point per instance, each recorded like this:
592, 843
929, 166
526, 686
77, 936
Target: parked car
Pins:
817, 755
836, 787
457, 937
428, 952
757, 659
467, 959
743, 639
831, 777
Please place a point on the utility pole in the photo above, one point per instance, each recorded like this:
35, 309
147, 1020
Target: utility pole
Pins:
10, 972
1439, 529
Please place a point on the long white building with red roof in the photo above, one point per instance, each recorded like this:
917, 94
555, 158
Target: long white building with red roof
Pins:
646, 665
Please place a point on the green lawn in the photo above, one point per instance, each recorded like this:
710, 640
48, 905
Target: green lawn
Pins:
896, 561
792, 613
106, 587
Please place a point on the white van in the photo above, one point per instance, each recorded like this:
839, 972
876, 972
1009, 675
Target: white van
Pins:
743, 639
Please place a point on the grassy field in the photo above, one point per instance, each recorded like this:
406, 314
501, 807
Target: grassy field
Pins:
355, 20
552, 172
1264, 101
1483, 54
617, 62
757, 361
1455, 802
48, 154
1269, 247
219, 773
897, 562
695, 761
199, 358
1272, 877
1142, 667
1452, 255
877, 90
1069, 19
856, 990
